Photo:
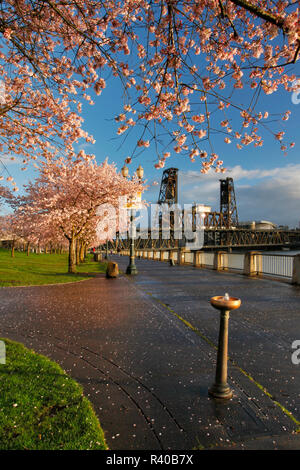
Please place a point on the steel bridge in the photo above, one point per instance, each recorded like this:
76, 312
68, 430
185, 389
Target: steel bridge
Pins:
234, 238
221, 229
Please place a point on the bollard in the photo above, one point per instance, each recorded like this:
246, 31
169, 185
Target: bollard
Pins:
221, 261
181, 257
199, 260
171, 258
253, 263
112, 270
296, 270
97, 256
225, 304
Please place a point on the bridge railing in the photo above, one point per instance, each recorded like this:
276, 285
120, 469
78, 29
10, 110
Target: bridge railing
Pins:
278, 265
236, 261
253, 263
263, 263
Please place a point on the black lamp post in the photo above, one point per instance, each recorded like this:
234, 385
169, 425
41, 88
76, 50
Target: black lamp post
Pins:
131, 268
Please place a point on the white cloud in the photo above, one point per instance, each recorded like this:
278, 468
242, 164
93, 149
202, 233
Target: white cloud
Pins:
262, 194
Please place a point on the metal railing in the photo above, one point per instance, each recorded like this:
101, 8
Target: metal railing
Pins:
208, 259
277, 265
236, 261
189, 257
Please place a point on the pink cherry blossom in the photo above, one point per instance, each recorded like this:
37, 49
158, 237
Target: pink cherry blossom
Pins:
181, 74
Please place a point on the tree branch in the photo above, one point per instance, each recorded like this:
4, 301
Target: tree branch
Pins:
261, 13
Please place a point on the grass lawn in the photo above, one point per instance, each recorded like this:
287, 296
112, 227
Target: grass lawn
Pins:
37, 269
41, 407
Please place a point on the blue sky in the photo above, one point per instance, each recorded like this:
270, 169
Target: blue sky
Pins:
267, 183
262, 175
99, 121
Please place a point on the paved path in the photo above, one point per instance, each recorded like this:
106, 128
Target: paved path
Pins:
144, 350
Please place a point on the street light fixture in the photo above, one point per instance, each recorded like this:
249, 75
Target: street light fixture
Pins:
140, 172
131, 268
125, 171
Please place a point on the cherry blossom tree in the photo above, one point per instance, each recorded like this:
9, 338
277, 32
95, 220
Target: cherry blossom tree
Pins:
12, 231
38, 110
65, 197
6, 196
88, 238
182, 63
195, 61
7, 222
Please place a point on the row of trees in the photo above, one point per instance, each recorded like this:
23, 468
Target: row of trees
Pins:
61, 206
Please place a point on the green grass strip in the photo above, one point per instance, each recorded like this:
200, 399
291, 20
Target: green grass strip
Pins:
41, 269
41, 407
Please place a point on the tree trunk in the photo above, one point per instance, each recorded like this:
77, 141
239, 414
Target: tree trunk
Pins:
77, 252
13, 249
28, 248
72, 255
81, 252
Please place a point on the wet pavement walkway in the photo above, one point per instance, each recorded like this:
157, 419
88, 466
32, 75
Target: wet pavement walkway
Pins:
144, 349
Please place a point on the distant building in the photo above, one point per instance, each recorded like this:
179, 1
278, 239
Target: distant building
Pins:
258, 225
201, 208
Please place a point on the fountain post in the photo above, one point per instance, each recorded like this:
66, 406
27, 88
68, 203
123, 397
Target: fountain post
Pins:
225, 304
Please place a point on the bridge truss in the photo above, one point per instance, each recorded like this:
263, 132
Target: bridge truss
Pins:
221, 229
218, 239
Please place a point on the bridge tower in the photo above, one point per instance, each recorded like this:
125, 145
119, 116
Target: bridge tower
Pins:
228, 206
168, 193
